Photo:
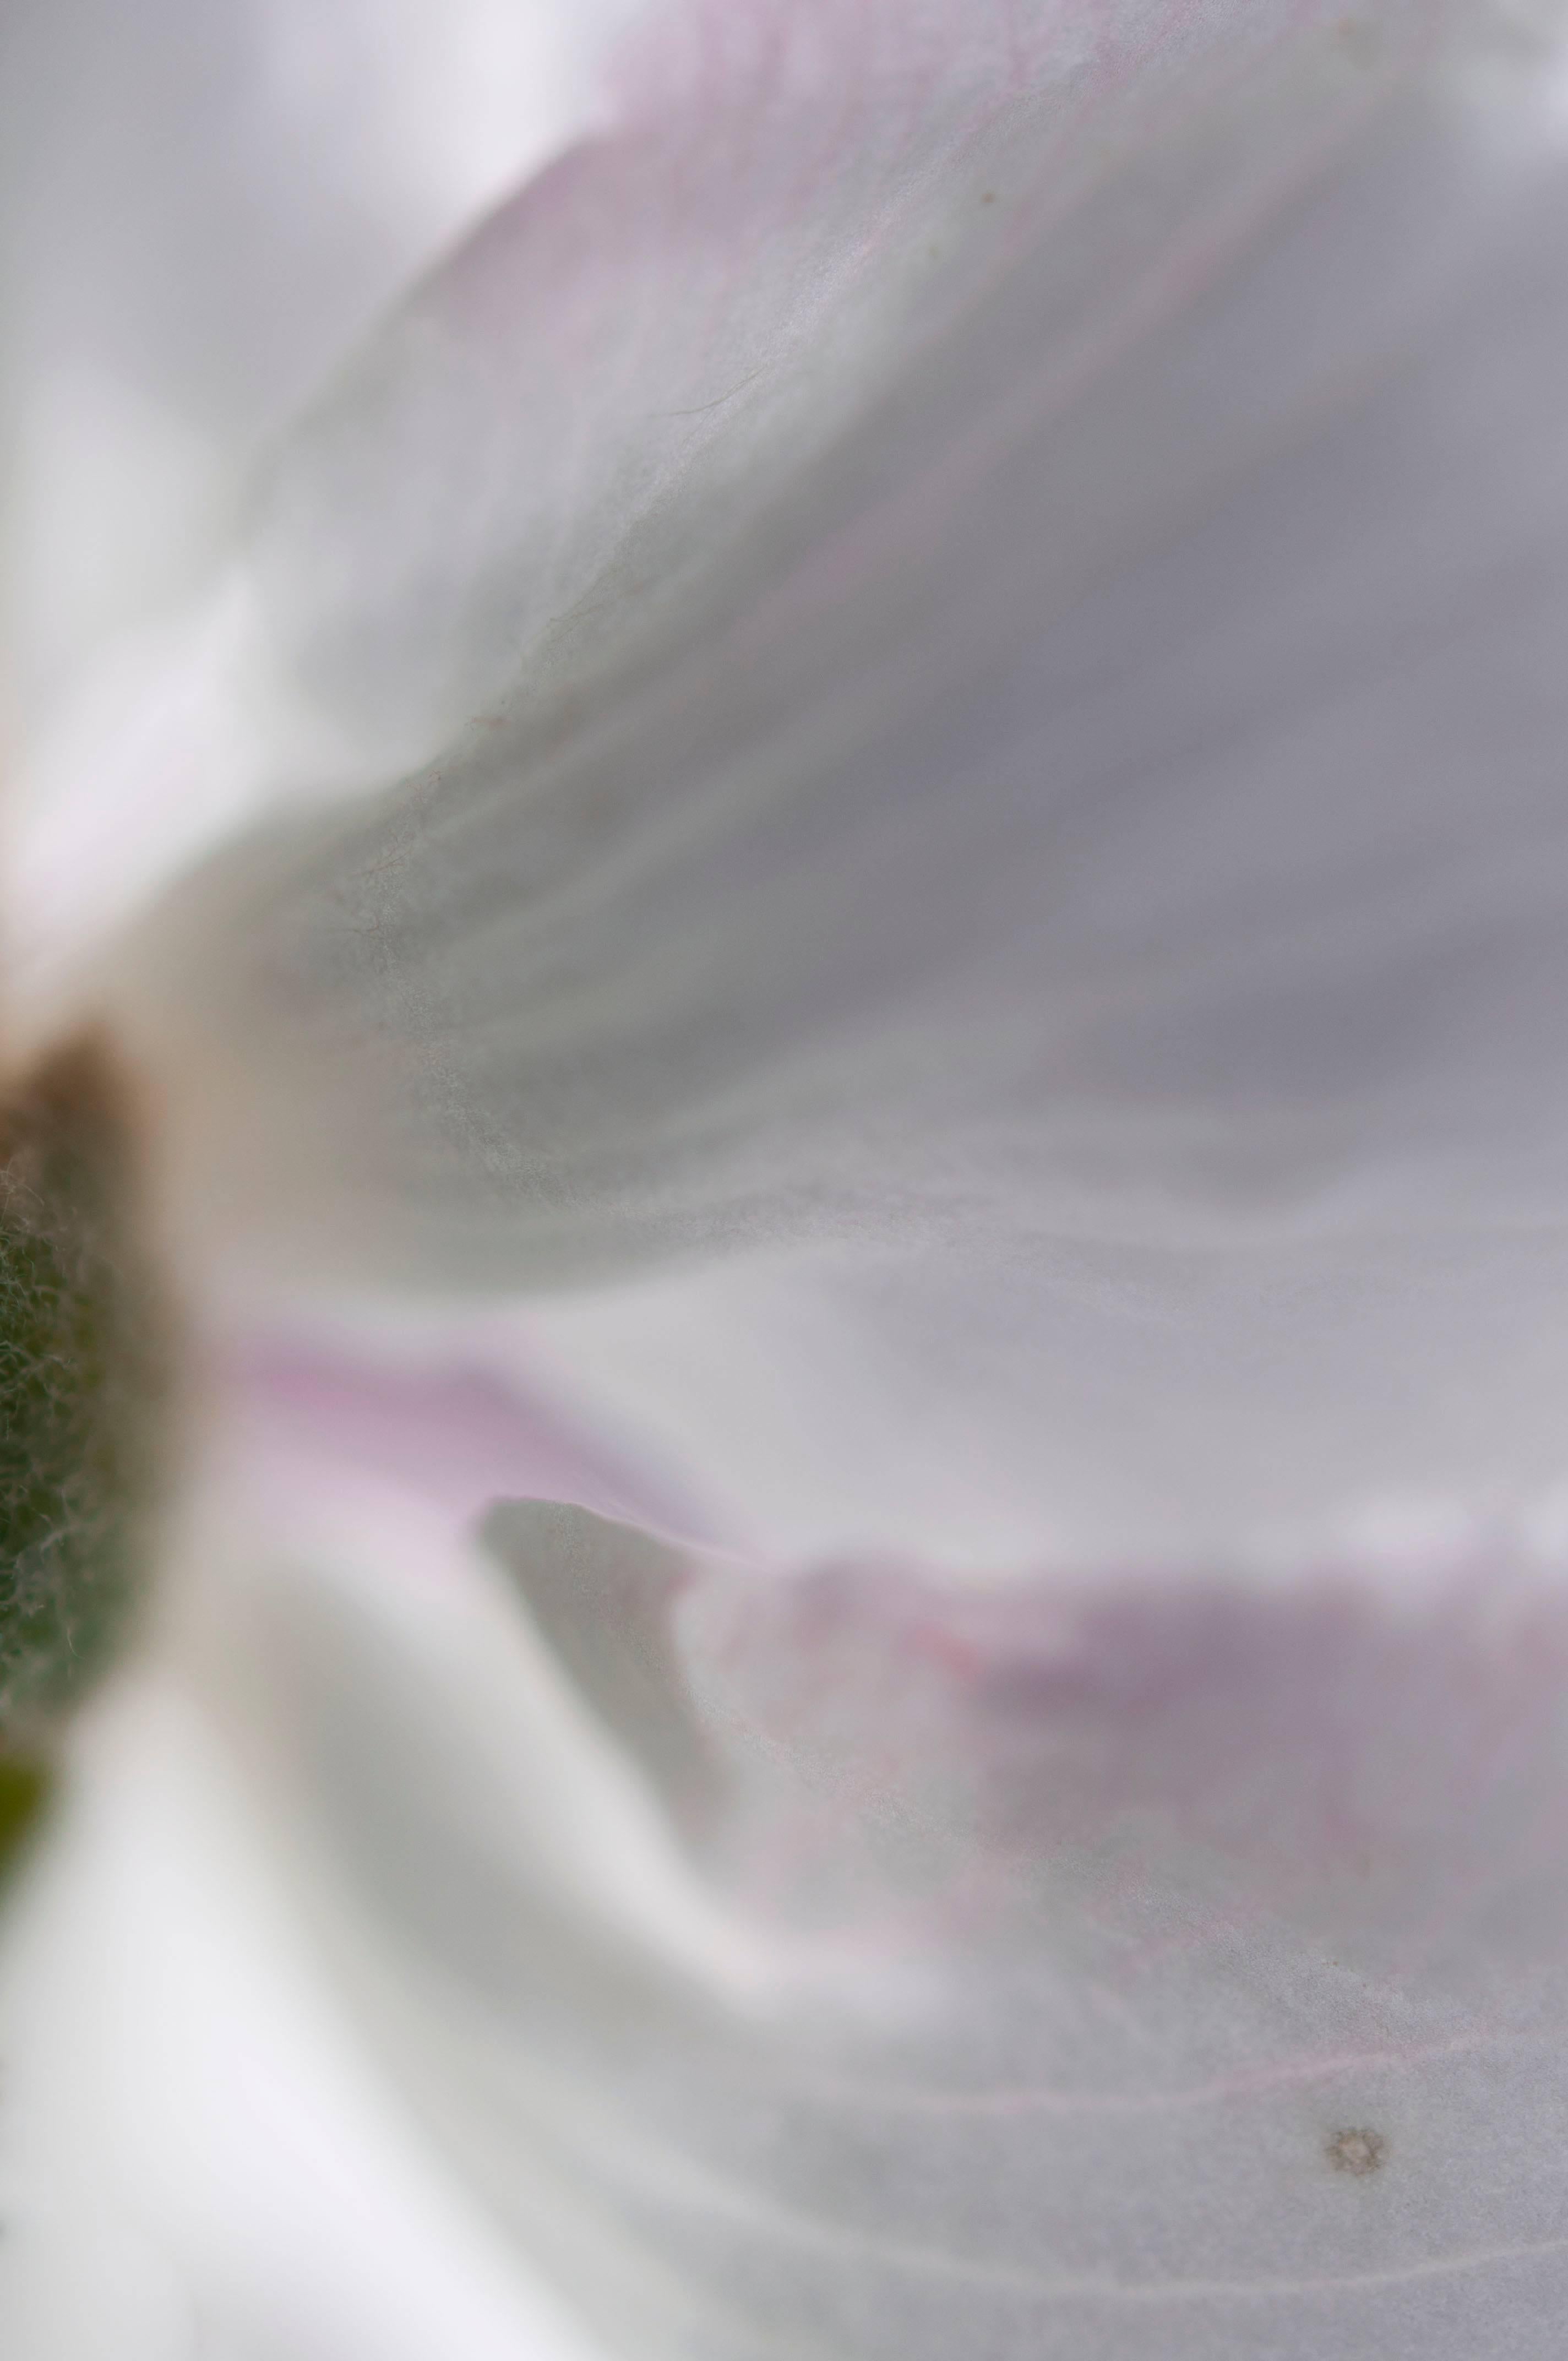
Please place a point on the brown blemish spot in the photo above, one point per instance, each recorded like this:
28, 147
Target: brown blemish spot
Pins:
988, 196
1357, 2151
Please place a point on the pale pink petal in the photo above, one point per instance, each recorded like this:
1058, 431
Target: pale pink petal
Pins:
1033, 824
454, 1425
854, 1965
525, 486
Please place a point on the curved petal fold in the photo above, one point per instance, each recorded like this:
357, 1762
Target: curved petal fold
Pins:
982, 603
204, 210
1155, 1969
809, 765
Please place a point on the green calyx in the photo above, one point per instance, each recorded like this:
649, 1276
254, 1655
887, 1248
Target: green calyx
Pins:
24, 1796
83, 1389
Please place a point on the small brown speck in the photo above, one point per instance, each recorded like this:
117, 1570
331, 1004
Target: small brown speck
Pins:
1357, 2151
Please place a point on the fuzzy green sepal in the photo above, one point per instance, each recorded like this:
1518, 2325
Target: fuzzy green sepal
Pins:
83, 1387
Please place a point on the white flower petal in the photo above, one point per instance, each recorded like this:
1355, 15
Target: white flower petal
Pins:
1166, 1971
204, 204
199, 2157
205, 208
1051, 795
621, 368
458, 1422
526, 484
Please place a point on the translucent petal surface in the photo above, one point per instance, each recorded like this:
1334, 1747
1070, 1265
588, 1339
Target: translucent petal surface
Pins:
196, 2153
203, 210
529, 479
845, 1964
1029, 812
202, 213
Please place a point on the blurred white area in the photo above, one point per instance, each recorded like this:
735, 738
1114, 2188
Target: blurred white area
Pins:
196, 2162
204, 207
203, 210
